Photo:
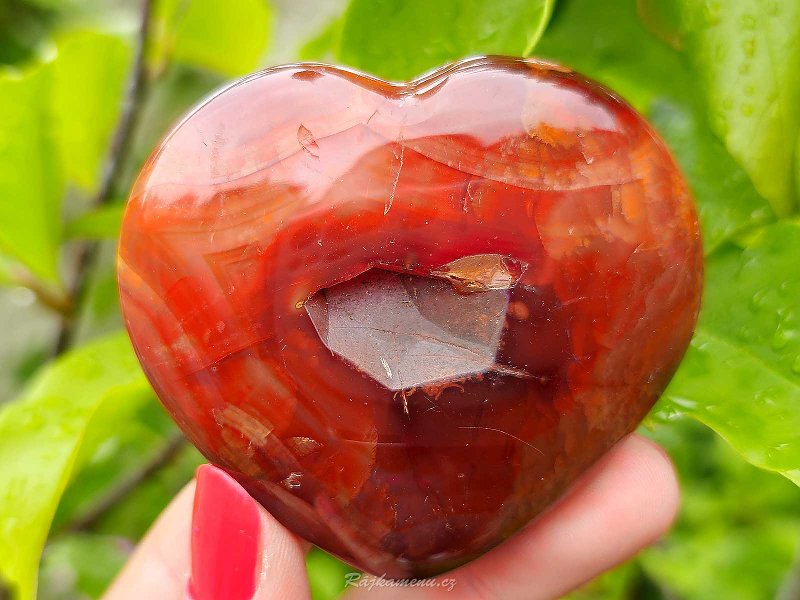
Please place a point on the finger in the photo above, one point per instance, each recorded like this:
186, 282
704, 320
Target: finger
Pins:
223, 545
623, 504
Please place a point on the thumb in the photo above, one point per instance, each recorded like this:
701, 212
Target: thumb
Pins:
214, 542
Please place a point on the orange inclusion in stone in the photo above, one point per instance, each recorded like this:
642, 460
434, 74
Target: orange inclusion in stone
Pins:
407, 317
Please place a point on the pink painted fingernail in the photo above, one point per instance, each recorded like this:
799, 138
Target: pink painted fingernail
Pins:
226, 527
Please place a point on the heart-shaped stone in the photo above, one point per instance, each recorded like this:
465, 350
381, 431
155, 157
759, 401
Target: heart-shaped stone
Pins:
407, 317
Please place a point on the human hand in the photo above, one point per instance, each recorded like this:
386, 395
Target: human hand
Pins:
233, 549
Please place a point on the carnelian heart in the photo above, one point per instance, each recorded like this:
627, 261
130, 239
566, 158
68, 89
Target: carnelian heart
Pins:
407, 317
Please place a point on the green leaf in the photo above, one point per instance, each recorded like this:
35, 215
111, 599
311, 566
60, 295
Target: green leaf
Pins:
400, 39
608, 42
326, 575
31, 184
212, 35
41, 435
57, 118
100, 224
747, 56
89, 76
741, 376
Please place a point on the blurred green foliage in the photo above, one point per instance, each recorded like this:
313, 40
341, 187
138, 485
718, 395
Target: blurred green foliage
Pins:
99, 224
401, 39
208, 34
719, 80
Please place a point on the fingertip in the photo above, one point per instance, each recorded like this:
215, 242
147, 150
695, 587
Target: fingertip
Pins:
226, 538
214, 541
653, 472
239, 550
629, 498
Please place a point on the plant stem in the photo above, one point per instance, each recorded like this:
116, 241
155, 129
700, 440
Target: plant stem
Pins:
56, 301
118, 152
117, 494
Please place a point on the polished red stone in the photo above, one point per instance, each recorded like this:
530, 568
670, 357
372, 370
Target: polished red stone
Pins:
407, 317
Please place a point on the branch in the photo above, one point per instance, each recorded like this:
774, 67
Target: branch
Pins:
55, 300
117, 494
118, 152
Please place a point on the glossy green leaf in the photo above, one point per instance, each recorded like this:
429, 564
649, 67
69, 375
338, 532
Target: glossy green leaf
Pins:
607, 41
57, 120
228, 39
747, 56
741, 376
31, 184
41, 435
401, 39
89, 77
100, 224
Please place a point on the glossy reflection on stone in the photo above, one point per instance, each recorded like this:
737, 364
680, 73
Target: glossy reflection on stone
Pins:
408, 317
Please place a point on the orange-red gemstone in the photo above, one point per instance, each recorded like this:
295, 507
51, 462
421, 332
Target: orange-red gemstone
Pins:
407, 317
